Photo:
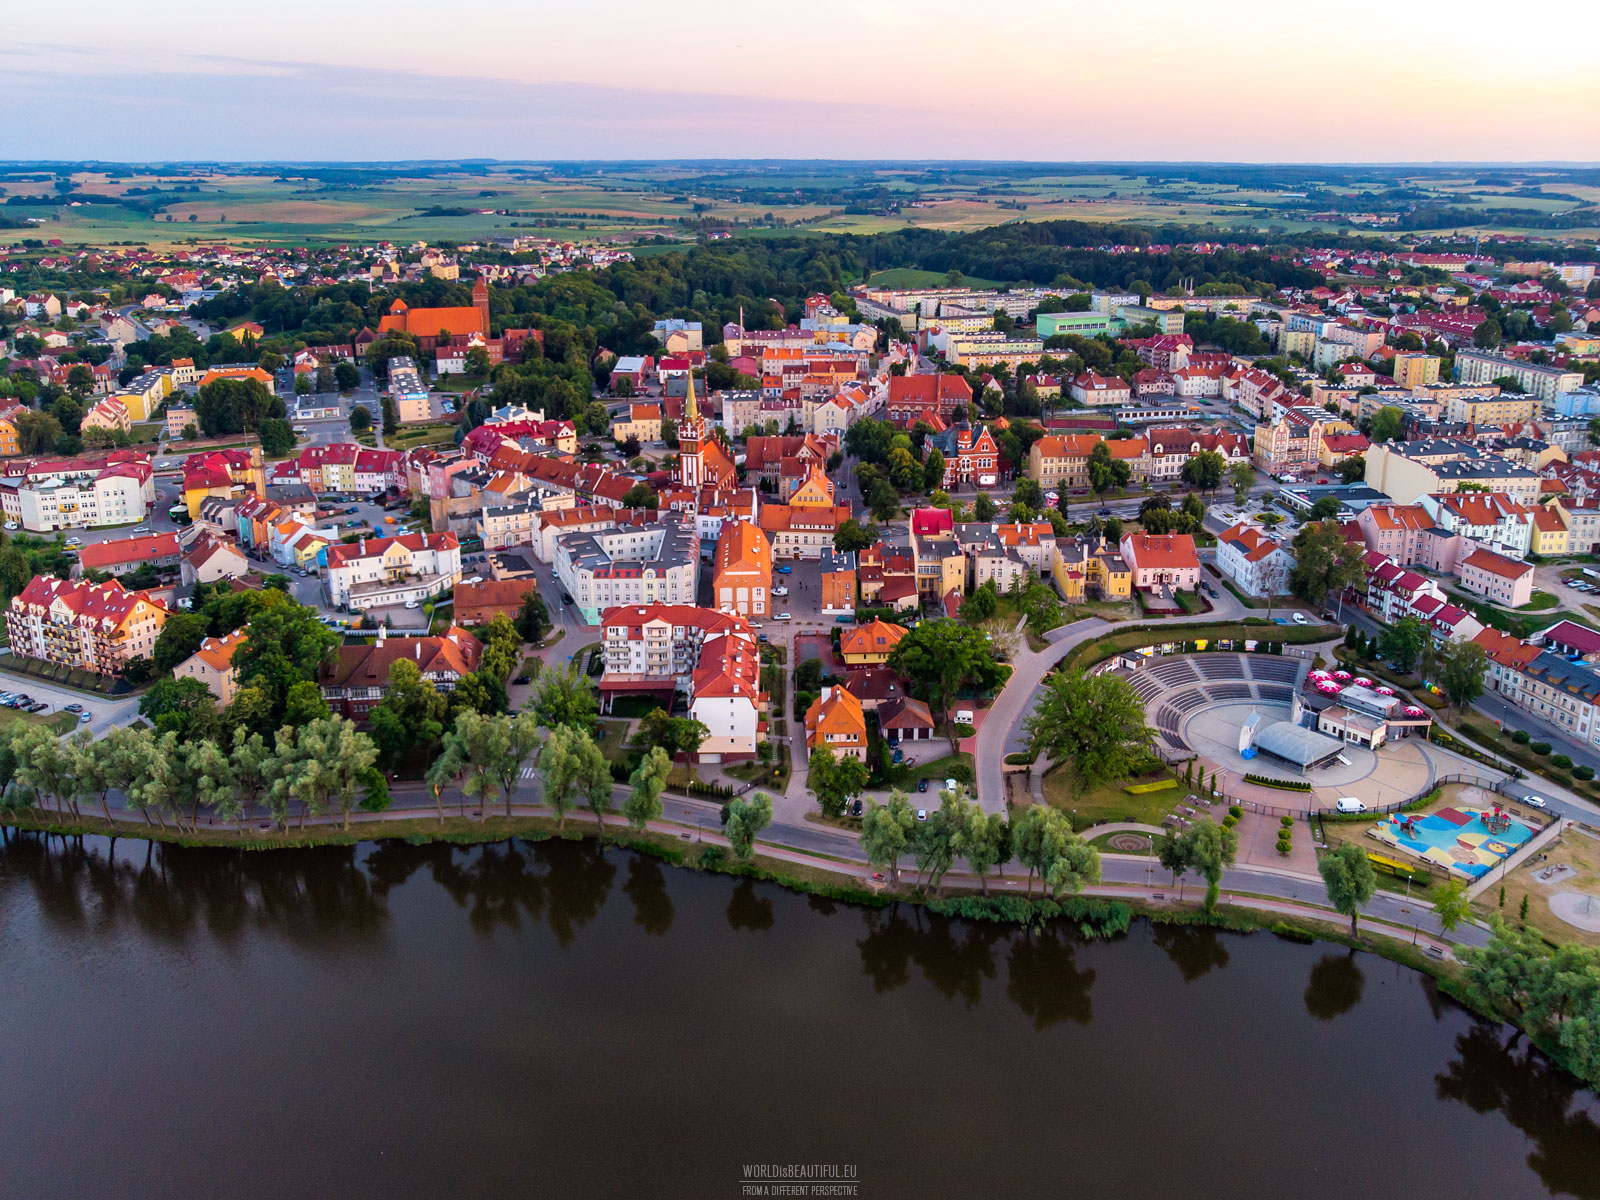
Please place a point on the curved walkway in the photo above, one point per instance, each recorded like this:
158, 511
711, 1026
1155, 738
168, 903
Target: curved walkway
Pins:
1028, 671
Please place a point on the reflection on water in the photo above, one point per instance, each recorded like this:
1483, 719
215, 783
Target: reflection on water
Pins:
1335, 985
704, 1011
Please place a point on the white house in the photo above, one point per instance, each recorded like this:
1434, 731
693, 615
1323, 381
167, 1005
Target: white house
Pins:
1257, 564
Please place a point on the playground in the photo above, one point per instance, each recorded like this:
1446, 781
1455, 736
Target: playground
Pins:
1464, 841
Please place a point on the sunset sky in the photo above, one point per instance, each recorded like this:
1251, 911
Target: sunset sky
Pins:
1241, 80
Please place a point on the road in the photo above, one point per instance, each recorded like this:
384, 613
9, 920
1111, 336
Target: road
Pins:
839, 851
1001, 728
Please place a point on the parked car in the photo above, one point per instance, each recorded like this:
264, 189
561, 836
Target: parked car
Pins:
412, 604
855, 809
12, 526
72, 708
785, 569
783, 617
922, 785
780, 590
85, 716
1349, 804
19, 700
1299, 618
922, 814
74, 541
141, 529
352, 510
522, 680
38, 706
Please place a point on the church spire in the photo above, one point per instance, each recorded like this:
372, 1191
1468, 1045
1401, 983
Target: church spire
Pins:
691, 410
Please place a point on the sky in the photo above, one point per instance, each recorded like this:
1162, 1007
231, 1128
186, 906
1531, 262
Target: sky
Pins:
1051, 80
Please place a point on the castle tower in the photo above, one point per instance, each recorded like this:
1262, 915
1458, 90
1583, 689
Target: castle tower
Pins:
480, 301
691, 431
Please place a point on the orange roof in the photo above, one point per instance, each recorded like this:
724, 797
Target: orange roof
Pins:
216, 373
1507, 650
431, 322
1161, 550
217, 653
837, 714
743, 548
126, 550
1497, 564
1548, 520
875, 637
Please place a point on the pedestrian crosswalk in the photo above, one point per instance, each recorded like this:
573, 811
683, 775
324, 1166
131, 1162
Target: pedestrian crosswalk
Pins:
528, 772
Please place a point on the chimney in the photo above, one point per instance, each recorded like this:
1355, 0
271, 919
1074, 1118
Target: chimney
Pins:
381, 630
417, 646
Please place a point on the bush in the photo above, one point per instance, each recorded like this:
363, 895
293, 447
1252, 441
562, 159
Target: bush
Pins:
1286, 822
1288, 785
1540, 748
1520, 737
1235, 811
1561, 760
1284, 846
964, 731
1583, 772
1229, 821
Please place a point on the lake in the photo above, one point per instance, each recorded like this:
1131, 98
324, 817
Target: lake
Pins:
551, 1019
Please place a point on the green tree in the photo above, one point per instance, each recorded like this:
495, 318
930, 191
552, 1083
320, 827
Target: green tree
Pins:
835, 780
179, 638
851, 537
1403, 643
1387, 424
533, 618
643, 804
518, 738
409, 722
1242, 477
360, 418
886, 832
1460, 672
475, 745
981, 840
983, 507
743, 820
933, 470
1451, 904
304, 704
640, 495
1204, 470
1487, 335
346, 375
1348, 876
572, 767
1092, 723
1107, 474
1325, 563
1352, 469
564, 698
185, 707
285, 643
1206, 848
1043, 840
941, 657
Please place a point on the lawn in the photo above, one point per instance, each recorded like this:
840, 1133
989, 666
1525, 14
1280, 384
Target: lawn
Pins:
1109, 802
1575, 849
612, 738
408, 437
1090, 653
11, 720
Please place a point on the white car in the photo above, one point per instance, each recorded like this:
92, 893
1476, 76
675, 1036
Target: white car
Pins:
922, 814
1299, 618
412, 604
780, 590
74, 541
12, 526
1536, 801
950, 785
783, 617
142, 529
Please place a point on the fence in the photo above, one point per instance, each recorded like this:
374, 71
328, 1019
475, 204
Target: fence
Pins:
1377, 810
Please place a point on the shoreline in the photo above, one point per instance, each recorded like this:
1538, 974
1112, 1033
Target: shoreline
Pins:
1100, 912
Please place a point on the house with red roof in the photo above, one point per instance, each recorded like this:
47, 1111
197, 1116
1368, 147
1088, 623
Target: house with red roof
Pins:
1160, 560
98, 627
356, 678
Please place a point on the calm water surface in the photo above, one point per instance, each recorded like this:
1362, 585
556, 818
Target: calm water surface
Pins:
551, 1020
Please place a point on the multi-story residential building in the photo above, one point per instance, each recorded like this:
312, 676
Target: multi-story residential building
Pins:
710, 656
212, 665
1089, 568
992, 350
342, 469
1395, 531
379, 572
1162, 560
912, 395
1098, 390
871, 644
1061, 460
653, 562
1292, 445
1506, 581
1488, 519
410, 394
941, 567
1407, 471
120, 556
971, 458
1258, 564
356, 679
1550, 534
742, 574
230, 474
838, 580
44, 495
1542, 382
211, 557
1168, 447
835, 721
98, 627
643, 421
1414, 369
1500, 409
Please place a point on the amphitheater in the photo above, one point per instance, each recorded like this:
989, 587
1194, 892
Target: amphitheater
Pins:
1197, 702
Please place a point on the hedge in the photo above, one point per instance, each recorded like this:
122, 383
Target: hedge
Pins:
1287, 785
1135, 636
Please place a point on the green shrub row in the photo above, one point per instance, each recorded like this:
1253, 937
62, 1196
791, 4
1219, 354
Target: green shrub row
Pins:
1287, 785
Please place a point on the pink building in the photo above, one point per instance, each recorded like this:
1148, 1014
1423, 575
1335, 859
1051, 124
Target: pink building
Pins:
1503, 580
1162, 559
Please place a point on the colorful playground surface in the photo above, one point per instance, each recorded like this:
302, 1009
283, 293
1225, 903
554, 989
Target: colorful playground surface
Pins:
1468, 841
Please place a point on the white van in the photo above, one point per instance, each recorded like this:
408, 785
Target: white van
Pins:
963, 716
1349, 804
1299, 618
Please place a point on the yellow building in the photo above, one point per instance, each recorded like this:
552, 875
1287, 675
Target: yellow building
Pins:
8, 435
815, 492
1550, 533
869, 645
1087, 569
1504, 409
643, 422
1056, 461
1413, 368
